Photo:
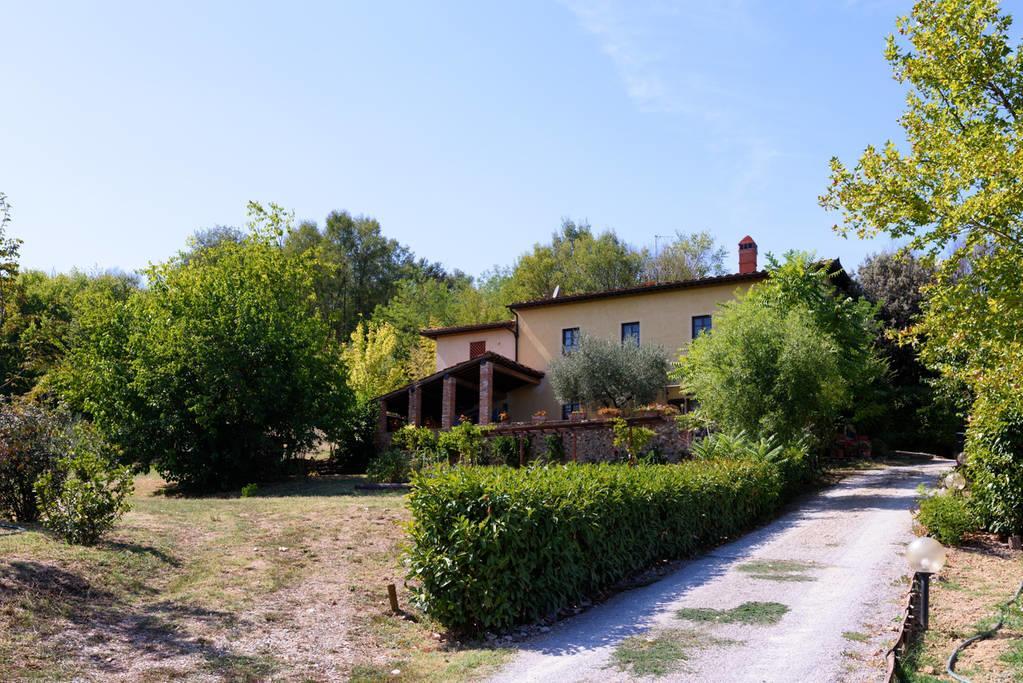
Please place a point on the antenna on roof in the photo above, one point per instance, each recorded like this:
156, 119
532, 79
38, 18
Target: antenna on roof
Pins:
557, 290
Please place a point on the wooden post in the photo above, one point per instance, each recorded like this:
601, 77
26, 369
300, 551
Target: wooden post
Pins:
522, 451
392, 595
575, 453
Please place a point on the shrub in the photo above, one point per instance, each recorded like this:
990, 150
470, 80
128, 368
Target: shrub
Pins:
249, 490
393, 466
86, 493
503, 450
463, 443
994, 464
553, 449
217, 373
492, 547
792, 461
947, 517
630, 438
29, 436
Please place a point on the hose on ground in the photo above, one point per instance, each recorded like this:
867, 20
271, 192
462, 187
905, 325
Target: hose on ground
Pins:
13, 528
952, 658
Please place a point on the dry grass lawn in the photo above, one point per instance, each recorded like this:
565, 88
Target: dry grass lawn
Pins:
289, 585
965, 597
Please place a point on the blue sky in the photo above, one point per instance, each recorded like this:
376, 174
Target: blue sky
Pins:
469, 129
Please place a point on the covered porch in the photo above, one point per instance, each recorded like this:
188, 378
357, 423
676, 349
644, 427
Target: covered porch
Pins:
476, 389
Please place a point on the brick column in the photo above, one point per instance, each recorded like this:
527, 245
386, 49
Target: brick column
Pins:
447, 404
415, 405
486, 392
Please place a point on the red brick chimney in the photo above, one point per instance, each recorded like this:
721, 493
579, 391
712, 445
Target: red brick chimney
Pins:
747, 255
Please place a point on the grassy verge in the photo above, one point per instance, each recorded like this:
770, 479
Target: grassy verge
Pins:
965, 596
288, 584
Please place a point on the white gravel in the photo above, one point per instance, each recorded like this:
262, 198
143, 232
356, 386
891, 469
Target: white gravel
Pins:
854, 532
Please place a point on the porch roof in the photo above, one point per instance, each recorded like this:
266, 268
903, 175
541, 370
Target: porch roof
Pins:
504, 365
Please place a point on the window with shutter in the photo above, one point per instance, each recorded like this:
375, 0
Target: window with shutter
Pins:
477, 349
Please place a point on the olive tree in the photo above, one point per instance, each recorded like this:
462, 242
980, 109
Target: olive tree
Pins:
608, 373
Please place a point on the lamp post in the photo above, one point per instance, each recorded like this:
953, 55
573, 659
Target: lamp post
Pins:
925, 556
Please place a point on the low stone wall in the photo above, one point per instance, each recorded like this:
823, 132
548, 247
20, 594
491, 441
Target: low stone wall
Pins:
592, 440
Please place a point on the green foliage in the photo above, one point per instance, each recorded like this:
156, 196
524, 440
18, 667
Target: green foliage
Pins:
954, 187
746, 613
9, 252
43, 317
422, 445
30, 444
792, 461
503, 450
84, 496
393, 466
790, 358
577, 261
947, 517
356, 269
463, 443
355, 442
607, 373
687, 257
553, 449
249, 490
630, 438
492, 547
371, 356
219, 371
994, 463
921, 412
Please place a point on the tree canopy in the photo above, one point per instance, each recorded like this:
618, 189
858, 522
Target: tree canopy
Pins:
217, 372
605, 372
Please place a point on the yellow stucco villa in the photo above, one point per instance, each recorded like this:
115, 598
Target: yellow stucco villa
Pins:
497, 370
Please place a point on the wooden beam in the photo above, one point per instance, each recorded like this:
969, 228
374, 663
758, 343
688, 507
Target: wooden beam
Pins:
516, 374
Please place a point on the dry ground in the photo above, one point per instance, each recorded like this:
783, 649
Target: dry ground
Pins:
978, 577
286, 585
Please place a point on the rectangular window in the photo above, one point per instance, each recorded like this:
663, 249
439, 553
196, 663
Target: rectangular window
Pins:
569, 339
567, 409
630, 333
701, 324
477, 349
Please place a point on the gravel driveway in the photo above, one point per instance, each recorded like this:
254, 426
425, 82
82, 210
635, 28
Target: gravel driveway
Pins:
834, 560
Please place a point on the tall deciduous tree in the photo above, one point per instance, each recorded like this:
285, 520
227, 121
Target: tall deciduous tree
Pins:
577, 261
687, 257
371, 357
956, 185
9, 250
217, 372
790, 358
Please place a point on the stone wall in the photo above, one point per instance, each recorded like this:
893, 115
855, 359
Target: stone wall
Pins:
594, 443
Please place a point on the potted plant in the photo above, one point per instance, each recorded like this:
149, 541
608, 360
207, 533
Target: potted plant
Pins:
577, 415
540, 416
609, 413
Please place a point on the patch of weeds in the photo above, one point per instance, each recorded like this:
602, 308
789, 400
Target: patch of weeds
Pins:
241, 667
1014, 658
660, 654
746, 613
365, 673
856, 636
779, 570
907, 667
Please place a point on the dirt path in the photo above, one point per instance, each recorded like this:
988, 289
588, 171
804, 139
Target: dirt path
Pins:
834, 561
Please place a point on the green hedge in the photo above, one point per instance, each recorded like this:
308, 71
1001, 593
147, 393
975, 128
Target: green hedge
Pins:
495, 547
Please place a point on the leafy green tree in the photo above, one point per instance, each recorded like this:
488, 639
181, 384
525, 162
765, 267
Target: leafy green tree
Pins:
604, 372
218, 372
790, 358
9, 250
955, 185
41, 326
374, 367
687, 257
577, 261
358, 268
921, 412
